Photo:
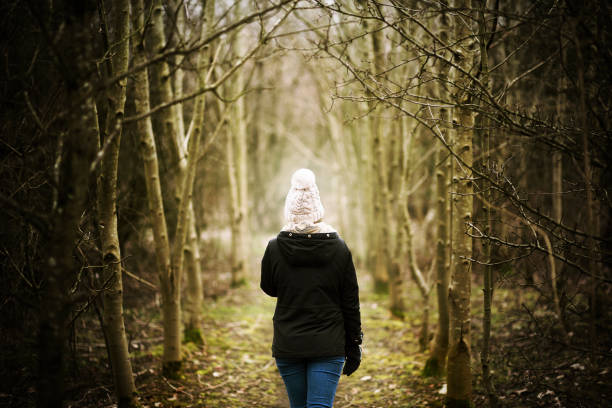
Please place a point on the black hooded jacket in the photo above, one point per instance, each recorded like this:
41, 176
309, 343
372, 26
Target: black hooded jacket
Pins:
317, 310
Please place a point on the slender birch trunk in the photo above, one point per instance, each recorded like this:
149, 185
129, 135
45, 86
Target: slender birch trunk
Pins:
233, 203
178, 14
402, 239
238, 180
459, 376
170, 148
405, 254
148, 152
436, 363
341, 167
172, 308
170, 260
379, 163
557, 202
194, 293
419, 278
242, 179
112, 296
366, 173
483, 128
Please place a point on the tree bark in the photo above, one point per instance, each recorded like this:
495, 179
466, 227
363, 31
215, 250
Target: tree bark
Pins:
112, 296
488, 210
557, 201
177, 9
172, 287
194, 295
403, 241
436, 363
165, 126
380, 190
242, 179
459, 377
234, 205
168, 283
238, 178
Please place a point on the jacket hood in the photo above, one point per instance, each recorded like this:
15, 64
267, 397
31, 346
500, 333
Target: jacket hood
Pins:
308, 249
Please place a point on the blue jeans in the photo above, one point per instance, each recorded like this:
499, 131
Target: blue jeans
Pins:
311, 382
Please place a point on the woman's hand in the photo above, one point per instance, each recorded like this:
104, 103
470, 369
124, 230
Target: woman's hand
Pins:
353, 359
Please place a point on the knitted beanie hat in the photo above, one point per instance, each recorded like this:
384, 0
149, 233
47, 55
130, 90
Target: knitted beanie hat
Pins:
303, 204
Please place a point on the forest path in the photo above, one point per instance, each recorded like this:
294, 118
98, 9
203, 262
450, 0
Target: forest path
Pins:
235, 368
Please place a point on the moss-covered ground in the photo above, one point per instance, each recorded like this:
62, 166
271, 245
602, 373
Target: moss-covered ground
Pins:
234, 368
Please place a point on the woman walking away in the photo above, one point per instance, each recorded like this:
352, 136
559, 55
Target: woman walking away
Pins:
317, 324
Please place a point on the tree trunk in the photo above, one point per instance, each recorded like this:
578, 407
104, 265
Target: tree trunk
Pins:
483, 127
557, 200
234, 205
242, 179
170, 148
172, 287
403, 241
112, 296
177, 8
379, 163
156, 206
238, 177
459, 377
193, 300
436, 363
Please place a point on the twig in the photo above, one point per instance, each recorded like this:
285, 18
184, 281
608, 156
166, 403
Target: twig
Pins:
139, 279
177, 389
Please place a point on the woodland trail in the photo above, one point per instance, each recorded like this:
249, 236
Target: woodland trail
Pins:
235, 368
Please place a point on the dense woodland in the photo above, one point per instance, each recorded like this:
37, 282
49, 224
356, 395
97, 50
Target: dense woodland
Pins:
462, 149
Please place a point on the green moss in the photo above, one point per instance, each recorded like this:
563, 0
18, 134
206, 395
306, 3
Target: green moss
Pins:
238, 283
172, 369
157, 351
381, 287
433, 368
398, 313
193, 335
206, 371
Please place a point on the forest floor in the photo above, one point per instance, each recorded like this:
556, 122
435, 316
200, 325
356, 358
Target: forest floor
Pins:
234, 368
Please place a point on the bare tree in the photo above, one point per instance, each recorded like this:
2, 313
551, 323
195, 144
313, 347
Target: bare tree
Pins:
112, 296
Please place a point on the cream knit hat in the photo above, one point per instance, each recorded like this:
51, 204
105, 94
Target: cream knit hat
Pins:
303, 204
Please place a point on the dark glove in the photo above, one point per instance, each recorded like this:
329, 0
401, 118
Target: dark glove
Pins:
352, 350
353, 359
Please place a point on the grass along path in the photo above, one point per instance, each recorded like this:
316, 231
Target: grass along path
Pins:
235, 367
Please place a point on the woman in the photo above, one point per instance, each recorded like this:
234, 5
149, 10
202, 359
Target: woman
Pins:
317, 323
